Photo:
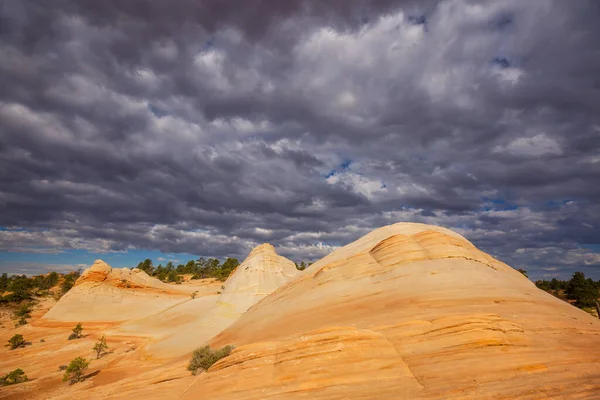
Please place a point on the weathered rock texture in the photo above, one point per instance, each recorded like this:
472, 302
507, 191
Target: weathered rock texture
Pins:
408, 311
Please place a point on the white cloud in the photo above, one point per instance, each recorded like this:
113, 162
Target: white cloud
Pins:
358, 183
534, 146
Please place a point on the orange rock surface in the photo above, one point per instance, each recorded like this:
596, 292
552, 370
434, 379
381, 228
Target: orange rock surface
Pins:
408, 311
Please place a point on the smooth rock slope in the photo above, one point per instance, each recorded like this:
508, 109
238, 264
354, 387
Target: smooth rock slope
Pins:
407, 311
107, 295
261, 273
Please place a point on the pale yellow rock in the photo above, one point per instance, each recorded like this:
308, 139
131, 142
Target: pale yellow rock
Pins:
409, 311
261, 273
461, 325
105, 294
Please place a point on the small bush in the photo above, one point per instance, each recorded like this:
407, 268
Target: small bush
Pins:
14, 377
75, 370
22, 321
43, 340
203, 358
100, 347
76, 332
62, 367
16, 341
24, 311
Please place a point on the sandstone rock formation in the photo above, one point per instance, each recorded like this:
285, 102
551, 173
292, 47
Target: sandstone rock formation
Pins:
105, 294
261, 273
408, 311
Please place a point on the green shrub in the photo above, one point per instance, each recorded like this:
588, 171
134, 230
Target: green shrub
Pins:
14, 377
16, 341
75, 370
100, 347
76, 332
583, 291
203, 358
69, 281
24, 311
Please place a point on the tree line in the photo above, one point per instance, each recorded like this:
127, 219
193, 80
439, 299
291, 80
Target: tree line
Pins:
22, 287
581, 291
199, 269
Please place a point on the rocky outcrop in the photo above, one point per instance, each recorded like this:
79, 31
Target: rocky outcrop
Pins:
408, 311
105, 294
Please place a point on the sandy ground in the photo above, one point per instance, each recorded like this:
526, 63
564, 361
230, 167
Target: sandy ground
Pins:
49, 348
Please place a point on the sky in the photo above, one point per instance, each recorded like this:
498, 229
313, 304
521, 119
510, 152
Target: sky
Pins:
174, 130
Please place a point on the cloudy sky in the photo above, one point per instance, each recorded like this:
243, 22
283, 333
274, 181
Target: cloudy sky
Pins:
171, 130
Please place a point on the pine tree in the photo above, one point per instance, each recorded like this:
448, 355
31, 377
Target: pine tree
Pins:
100, 347
75, 370
76, 332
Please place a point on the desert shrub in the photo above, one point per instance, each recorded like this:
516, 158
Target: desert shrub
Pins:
100, 347
62, 367
524, 272
76, 332
3, 282
21, 321
49, 281
16, 341
172, 276
75, 370
14, 377
24, 311
193, 295
69, 281
43, 340
204, 357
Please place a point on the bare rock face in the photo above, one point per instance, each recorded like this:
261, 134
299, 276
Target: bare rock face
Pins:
407, 311
261, 273
105, 294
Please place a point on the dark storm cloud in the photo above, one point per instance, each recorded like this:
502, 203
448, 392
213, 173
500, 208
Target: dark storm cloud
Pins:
207, 127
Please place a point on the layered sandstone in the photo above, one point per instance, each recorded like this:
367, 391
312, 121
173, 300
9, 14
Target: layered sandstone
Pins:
408, 311
261, 273
105, 294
